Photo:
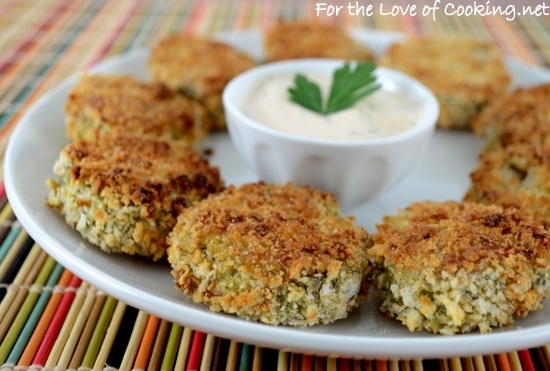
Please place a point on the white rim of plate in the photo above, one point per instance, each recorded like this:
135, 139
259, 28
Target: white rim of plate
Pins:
284, 338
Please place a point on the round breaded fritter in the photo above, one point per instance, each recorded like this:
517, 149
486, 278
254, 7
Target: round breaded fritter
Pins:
522, 116
451, 267
271, 253
199, 69
463, 74
105, 103
306, 39
515, 176
124, 193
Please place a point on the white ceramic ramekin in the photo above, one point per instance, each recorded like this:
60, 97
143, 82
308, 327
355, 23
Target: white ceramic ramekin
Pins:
354, 171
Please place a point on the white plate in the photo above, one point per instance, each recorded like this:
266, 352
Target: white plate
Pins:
442, 174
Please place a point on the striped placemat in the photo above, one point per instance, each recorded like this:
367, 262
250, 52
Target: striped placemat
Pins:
50, 318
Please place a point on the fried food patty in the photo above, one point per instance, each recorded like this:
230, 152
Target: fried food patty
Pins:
515, 176
103, 103
463, 74
522, 116
124, 193
303, 39
271, 253
451, 267
199, 69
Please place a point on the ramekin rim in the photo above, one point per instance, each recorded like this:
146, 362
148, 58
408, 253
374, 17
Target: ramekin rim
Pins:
428, 122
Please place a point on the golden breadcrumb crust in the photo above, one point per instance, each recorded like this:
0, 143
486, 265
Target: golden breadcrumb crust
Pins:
103, 103
453, 267
522, 116
304, 39
124, 193
271, 253
515, 176
199, 68
463, 74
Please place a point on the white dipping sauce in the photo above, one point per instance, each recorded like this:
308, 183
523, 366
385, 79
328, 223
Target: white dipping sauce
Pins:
386, 112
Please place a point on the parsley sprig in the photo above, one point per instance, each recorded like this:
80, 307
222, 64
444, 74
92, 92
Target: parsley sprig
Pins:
349, 86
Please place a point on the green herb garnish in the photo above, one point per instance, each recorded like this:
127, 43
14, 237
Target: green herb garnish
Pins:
348, 87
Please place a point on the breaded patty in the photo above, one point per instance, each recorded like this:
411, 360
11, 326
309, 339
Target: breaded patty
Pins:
463, 74
271, 253
306, 39
515, 176
451, 267
522, 116
124, 193
104, 103
199, 69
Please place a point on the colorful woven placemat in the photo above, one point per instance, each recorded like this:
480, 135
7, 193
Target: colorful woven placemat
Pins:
49, 318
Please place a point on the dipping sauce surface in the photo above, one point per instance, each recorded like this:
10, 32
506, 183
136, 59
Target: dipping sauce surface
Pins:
388, 111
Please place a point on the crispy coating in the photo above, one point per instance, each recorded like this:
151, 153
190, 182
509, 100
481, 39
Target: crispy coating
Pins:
522, 116
124, 193
199, 69
303, 39
463, 74
271, 253
103, 103
515, 176
451, 267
